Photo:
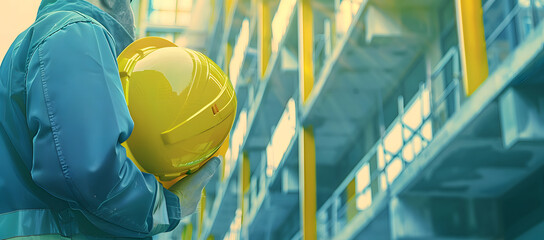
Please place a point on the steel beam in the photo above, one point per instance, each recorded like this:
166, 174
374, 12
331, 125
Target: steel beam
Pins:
187, 232
265, 35
243, 202
307, 182
228, 57
306, 137
470, 24
305, 48
228, 7
201, 212
351, 201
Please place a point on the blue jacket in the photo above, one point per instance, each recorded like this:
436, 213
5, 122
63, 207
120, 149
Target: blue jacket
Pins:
62, 119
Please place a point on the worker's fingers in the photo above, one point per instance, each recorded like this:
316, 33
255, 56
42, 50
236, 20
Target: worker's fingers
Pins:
189, 189
206, 172
193, 184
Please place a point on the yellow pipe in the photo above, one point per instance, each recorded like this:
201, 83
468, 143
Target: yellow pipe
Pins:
228, 56
307, 182
222, 171
187, 232
228, 6
351, 202
306, 140
246, 171
202, 211
305, 42
244, 178
265, 34
472, 41
229, 11
212, 18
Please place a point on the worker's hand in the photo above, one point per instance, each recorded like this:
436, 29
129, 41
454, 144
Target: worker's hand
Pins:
189, 189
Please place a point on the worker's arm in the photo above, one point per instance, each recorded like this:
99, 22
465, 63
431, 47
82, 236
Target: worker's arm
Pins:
78, 117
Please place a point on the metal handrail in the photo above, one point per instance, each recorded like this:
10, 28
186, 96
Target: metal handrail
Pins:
488, 5
502, 26
451, 56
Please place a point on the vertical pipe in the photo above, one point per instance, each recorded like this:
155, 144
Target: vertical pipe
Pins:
245, 173
305, 46
265, 35
472, 41
351, 193
201, 212
187, 232
228, 57
307, 182
306, 140
244, 178
228, 6
213, 13
226, 28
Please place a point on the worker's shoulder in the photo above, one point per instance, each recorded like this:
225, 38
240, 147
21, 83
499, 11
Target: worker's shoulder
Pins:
73, 25
78, 26
51, 23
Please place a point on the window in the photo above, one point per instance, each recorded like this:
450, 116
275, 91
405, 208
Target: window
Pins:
170, 12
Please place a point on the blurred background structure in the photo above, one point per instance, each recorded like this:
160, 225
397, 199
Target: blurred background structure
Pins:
371, 119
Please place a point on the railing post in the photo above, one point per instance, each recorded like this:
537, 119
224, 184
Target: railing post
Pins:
400, 105
334, 215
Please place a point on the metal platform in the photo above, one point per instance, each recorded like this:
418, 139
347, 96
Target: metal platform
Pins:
479, 156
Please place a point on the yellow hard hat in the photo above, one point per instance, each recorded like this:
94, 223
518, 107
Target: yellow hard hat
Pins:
182, 104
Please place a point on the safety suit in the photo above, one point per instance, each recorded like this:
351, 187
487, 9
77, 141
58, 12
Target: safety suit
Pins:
63, 117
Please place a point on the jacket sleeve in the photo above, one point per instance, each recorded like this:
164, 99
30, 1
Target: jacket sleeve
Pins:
78, 117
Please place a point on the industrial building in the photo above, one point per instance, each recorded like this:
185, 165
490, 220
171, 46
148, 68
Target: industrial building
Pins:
374, 119
371, 119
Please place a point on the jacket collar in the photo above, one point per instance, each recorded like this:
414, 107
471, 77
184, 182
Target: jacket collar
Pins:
121, 36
